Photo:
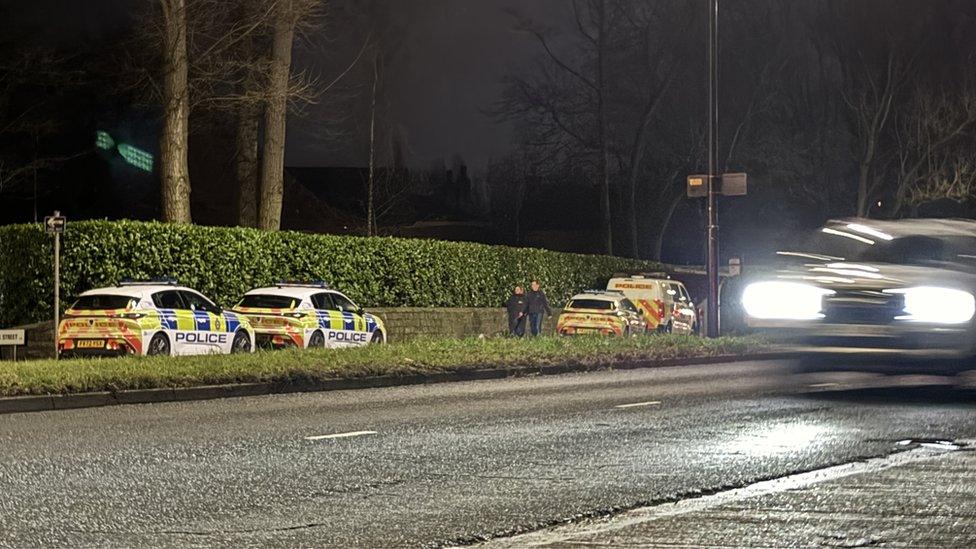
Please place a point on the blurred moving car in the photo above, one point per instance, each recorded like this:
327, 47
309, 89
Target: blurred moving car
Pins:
665, 303
867, 285
155, 317
604, 312
308, 314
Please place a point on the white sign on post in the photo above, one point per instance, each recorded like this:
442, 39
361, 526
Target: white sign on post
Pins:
12, 337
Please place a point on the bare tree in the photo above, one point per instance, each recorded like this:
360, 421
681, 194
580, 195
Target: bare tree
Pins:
288, 15
568, 100
174, 171
371, 183
935, 146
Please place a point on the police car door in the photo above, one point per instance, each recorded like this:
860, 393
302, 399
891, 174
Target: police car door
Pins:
208, 334
353, 331
175, 318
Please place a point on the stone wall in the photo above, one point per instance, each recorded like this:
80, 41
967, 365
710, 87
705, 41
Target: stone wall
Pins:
402, 323
405, 323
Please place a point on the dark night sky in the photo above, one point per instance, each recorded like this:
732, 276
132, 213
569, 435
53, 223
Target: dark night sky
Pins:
455, 53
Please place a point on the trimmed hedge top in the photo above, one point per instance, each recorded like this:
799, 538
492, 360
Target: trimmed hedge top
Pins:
223, 263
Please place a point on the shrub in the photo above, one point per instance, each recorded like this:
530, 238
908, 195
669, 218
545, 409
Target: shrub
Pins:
223, 263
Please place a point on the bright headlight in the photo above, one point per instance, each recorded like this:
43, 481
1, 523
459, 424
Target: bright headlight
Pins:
784, 300
937, 305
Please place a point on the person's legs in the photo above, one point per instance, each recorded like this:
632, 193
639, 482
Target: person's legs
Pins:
512, 325
535, 322
520, 326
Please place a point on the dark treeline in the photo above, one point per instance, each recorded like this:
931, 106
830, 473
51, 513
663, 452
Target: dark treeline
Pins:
833, 107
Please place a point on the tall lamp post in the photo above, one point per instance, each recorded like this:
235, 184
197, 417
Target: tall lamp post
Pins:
711, 268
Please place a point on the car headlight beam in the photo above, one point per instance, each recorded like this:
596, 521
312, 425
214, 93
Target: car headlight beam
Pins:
781, 300
936, 305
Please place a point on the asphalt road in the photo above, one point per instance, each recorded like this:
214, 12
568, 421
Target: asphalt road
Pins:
445, 463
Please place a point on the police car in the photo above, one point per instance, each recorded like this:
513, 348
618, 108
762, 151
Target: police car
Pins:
308, 314
602, 312
150, 318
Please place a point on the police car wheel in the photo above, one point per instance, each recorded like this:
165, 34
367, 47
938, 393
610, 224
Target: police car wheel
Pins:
241, 344
158, 345
377, 338
317, 340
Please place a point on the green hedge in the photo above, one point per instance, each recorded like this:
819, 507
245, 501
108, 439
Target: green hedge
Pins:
223, 263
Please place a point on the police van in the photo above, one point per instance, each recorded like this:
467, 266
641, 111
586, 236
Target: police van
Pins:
308, 315
156, 317
665, 303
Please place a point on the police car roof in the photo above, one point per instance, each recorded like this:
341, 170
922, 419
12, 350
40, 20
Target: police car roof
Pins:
298, 292
136, 291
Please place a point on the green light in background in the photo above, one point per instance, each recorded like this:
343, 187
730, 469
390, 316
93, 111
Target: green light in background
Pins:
133, 155
103, 140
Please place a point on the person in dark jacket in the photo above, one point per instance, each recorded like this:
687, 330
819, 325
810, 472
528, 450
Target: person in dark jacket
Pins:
516, 306
538, 305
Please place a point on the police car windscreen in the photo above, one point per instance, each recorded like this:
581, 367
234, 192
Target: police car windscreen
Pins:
262, 301
103, 302
598, 304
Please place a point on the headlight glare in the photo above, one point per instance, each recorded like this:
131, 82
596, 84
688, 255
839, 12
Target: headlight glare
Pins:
937, 305
784, 300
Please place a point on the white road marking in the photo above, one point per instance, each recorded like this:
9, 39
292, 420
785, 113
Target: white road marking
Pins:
636, 404
823, 385
341, 435
588, 528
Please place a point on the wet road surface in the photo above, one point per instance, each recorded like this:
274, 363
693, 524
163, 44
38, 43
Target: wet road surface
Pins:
446, 463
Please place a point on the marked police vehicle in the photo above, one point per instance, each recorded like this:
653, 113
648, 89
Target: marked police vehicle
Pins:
155, 317
601, 312
666, 303
308, 314
864, 286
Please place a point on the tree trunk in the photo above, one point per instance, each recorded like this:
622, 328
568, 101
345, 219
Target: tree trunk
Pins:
604, 160
174, 173
371, 182
246, 166
275, 117
864, 173
665, 222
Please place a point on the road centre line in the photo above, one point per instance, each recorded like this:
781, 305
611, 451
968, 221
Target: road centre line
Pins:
636, 404
341, 435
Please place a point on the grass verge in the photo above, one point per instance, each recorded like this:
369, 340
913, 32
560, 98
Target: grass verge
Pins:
423, 356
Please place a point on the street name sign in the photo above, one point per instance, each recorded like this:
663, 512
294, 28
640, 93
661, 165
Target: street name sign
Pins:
12, 337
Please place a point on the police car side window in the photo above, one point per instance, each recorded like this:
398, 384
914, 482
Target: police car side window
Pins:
169, 299
323, 302
343, 303
196, 302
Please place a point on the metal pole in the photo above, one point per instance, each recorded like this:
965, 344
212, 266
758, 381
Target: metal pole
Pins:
57, 286
712, 319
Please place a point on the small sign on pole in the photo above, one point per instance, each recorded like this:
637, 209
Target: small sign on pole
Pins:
735, 266
697, 186
733, 184
54, 224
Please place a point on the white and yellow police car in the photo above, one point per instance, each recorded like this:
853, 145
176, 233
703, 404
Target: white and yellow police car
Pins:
150, 318
304, 315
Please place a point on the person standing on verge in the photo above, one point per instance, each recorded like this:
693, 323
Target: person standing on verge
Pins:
538, 305
516, 306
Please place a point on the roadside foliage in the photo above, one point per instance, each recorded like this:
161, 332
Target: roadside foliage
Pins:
223, 263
